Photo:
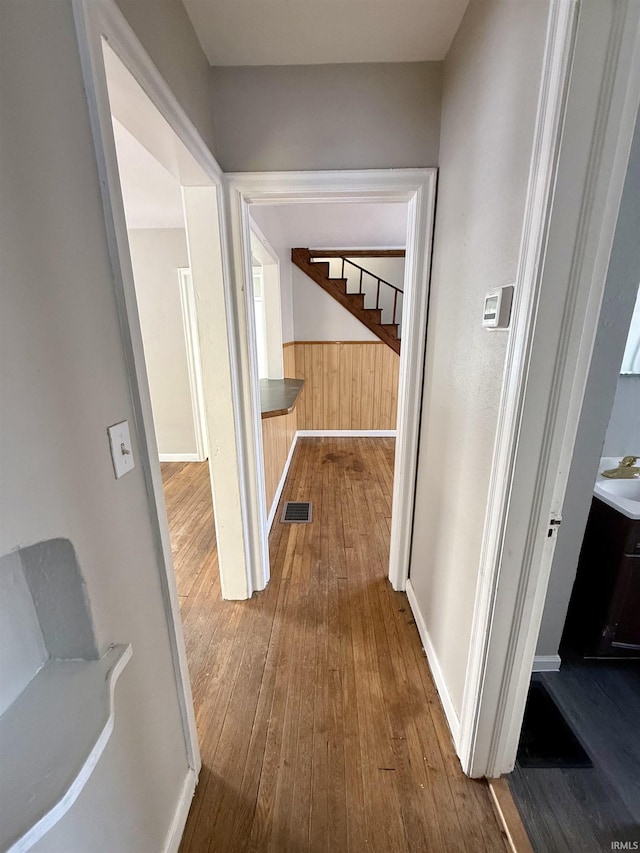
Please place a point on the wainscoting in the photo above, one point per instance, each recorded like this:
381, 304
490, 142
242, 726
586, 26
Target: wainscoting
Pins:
277, 438
348, 385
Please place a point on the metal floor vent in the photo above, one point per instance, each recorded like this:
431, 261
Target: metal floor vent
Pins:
296, 512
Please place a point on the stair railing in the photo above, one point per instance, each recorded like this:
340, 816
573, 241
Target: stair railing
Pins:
379, 281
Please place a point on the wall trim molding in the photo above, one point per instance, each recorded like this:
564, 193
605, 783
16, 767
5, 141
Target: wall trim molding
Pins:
283, 479
180, 457
453, 721
546, 663
179, 820
347, 433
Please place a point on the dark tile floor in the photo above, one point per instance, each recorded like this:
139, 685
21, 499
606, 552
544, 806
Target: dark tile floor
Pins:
588, 809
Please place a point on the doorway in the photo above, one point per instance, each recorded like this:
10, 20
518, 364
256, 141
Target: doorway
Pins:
121, 82
413, 188
576, 777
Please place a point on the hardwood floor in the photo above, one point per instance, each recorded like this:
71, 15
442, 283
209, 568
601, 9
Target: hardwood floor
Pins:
319, 724
187, 494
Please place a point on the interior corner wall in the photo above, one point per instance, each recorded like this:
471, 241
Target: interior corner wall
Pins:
336, 116
489, 105
156, 256
64, 381
166, 33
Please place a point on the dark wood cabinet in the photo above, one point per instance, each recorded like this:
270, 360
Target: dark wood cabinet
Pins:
604, 612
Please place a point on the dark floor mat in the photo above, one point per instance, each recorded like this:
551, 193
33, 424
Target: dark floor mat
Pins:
547, 739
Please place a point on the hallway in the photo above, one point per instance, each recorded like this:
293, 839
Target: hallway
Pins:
319, 724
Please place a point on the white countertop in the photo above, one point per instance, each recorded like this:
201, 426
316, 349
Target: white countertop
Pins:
623, 495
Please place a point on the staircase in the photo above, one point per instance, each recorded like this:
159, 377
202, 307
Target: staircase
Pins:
371, 299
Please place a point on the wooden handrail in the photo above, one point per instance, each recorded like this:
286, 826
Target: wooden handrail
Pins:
358, 253
346, 260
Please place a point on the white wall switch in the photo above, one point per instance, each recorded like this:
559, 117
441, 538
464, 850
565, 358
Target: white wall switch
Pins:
121, 449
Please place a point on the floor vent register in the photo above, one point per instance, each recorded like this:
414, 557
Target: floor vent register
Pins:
296, 512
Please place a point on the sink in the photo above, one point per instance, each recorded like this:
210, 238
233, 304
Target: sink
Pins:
629, 489
623, 495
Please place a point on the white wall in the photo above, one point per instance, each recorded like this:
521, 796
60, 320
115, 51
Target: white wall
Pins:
63, 382
623, 432
317, 316
325, 225
490, 91
624, 421
156, 255
352, 116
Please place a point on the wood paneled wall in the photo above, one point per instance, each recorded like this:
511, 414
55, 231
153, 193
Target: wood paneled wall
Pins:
348, 385
277, 436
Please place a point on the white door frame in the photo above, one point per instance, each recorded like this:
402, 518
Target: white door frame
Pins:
416, 187
194, 363
96, 20
268, 257
590, 91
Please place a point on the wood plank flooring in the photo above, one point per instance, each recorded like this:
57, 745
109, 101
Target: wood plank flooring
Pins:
588, 808
319, 723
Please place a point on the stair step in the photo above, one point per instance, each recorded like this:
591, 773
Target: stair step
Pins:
357, 299
322, 267
391, 328
375, 314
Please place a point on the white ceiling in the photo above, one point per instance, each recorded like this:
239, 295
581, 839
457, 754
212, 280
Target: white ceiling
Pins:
311, 32
152, 196
333, 226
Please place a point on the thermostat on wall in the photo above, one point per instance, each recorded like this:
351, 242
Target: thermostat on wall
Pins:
497, 308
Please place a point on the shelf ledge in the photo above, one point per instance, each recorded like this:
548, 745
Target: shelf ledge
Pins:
51, 738
279, 396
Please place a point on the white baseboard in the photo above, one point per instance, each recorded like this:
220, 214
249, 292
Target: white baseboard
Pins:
346, 433
441, 686
179, 457
546, 663
176, 830
276, 498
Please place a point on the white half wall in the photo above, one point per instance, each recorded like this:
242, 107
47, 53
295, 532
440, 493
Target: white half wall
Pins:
490, 93
156, 255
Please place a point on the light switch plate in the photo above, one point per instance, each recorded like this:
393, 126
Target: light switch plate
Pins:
121, 449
